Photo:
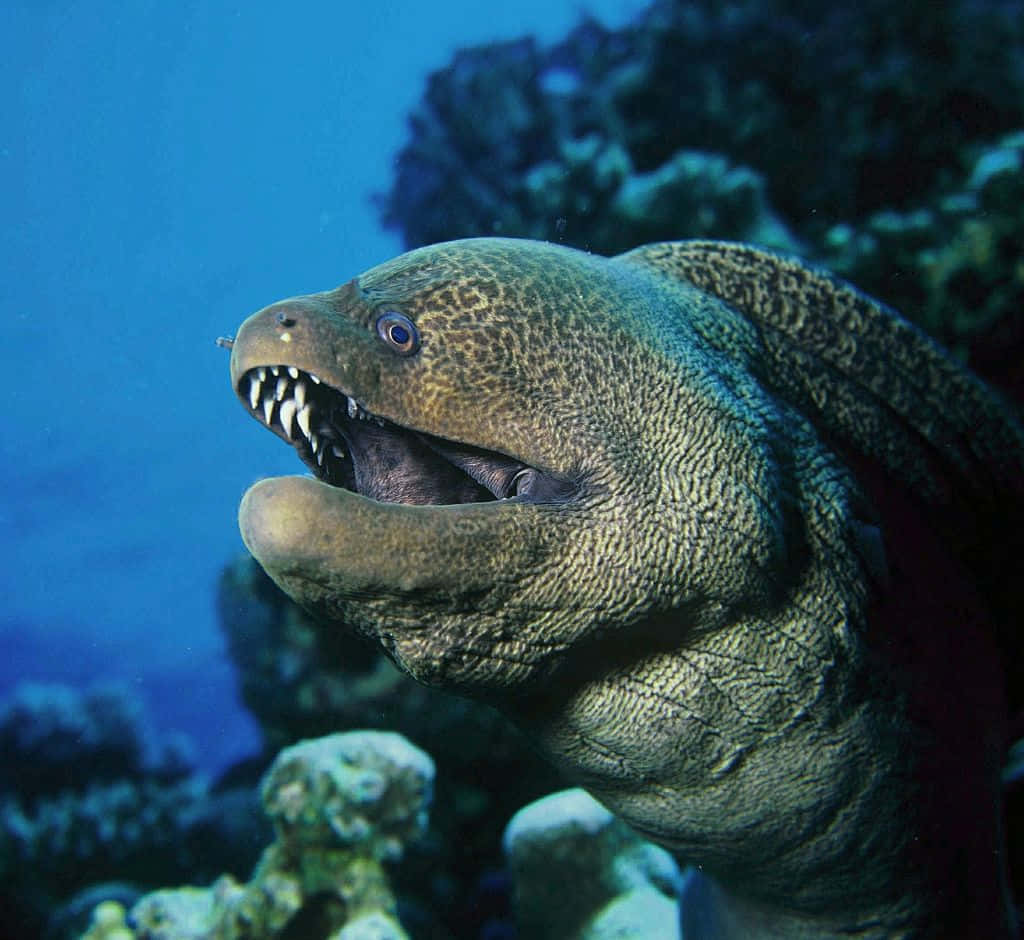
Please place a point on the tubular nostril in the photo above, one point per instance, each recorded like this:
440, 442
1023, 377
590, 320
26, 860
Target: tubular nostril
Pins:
284, 320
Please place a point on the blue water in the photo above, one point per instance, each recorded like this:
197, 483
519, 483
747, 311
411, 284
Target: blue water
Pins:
165, 169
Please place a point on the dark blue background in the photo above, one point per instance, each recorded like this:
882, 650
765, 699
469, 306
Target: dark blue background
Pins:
165, 169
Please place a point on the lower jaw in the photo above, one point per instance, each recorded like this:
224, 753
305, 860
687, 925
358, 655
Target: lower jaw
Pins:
336, 540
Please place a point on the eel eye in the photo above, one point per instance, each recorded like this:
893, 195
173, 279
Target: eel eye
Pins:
399, 332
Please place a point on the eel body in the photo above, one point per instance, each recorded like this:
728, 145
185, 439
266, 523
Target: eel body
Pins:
733, 541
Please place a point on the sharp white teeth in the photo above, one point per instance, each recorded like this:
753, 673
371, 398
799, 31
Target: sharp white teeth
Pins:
268, 409
254, 392
287, 415
316, 443
316, 381
300, 394
303, 417
293, 372
337, 451
262, 373
353, 408
320, 457
282, 388
275, 371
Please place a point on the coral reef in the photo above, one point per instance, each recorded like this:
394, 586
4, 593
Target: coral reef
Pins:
877, 140
844, 110
342, 806
90, 797
953, 263
713, 197
89, 794
622, 886
52, 735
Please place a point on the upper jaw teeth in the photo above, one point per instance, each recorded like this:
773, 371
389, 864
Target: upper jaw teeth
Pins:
281, 394
286, 415
305, 416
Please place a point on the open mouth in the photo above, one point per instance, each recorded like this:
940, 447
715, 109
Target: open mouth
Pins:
346, 446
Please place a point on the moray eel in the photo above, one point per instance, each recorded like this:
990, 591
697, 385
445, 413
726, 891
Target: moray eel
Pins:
727, 537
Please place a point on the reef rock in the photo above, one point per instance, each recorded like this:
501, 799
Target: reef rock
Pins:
781, 123
341, 806
621, 885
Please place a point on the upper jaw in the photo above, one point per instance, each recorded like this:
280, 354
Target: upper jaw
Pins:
299, 367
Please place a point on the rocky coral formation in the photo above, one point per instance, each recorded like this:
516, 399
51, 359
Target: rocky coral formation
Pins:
626, 208
342, 806
622, 886
953, 263
844, 110
108, 922
89, 794
53, 735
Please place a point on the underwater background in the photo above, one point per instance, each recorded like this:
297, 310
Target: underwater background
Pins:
169, 168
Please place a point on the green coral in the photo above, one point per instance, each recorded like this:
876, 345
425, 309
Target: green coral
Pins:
844, 109
595, 179
859, 136
108, 923
342, 806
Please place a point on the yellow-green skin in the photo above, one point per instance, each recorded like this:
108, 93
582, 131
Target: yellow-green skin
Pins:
693, 637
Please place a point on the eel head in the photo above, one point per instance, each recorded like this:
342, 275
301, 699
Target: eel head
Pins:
469, 498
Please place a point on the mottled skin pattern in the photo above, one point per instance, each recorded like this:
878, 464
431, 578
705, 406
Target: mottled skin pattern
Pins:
766, 627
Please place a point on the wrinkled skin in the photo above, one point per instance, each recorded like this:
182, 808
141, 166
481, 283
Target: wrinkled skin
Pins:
742, 580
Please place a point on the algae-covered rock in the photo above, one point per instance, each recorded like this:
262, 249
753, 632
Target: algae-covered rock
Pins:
365, 790
341, 807
108, 923
593, 187
178, 914
581, 873
703, 192
372, 926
